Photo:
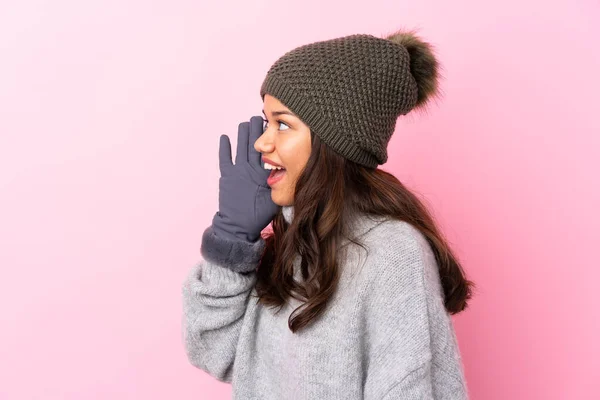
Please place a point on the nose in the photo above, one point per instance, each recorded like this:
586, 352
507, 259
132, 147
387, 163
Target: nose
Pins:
264, 144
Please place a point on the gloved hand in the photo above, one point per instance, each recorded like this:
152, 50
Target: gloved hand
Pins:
245, 205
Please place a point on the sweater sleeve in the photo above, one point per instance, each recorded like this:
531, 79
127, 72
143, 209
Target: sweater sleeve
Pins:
404, 314
215, 296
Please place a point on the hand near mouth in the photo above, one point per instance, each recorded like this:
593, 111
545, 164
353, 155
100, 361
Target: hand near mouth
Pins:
245, 204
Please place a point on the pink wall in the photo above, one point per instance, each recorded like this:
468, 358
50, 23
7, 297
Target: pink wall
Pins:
110, 113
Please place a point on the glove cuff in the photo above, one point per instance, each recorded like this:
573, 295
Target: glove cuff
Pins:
237, 255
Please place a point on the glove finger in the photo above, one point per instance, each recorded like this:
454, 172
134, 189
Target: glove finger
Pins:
256, 129
241, 154
224, 153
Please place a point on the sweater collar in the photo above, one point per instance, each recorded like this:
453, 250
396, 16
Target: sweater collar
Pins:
288, 213
359, 224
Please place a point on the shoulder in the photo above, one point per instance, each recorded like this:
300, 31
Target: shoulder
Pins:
394, 242
400, 255
393, 235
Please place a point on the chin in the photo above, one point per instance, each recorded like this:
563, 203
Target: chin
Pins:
280, 200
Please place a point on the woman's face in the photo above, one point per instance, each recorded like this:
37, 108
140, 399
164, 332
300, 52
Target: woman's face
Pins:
285, 142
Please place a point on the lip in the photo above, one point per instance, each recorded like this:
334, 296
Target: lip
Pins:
271, 181
266, 160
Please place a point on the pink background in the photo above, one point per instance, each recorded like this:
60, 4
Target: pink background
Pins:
110, 114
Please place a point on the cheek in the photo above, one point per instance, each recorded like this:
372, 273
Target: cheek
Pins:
293, 174
294, 152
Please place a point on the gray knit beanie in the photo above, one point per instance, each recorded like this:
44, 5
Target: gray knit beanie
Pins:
351, 90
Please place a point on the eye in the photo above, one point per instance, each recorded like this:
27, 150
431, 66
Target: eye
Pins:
283, 123
267, 123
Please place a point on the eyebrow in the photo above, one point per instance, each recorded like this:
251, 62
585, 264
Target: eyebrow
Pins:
282, 112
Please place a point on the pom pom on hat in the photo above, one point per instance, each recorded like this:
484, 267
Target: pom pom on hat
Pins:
424, 66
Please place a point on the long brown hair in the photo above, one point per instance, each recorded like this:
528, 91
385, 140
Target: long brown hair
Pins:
329, 188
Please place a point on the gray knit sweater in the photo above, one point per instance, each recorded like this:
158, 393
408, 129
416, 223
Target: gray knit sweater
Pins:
385, 333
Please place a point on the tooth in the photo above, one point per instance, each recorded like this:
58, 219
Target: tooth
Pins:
269, 166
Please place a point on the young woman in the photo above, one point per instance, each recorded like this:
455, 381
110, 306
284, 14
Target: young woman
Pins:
350, 295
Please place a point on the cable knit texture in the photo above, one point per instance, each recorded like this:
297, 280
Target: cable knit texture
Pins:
385, 333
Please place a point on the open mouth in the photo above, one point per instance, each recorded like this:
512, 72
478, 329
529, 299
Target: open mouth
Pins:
277, 173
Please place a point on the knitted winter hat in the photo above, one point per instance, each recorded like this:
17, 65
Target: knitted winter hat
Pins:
351, 90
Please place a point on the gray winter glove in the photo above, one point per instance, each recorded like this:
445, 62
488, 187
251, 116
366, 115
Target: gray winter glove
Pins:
245, 205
